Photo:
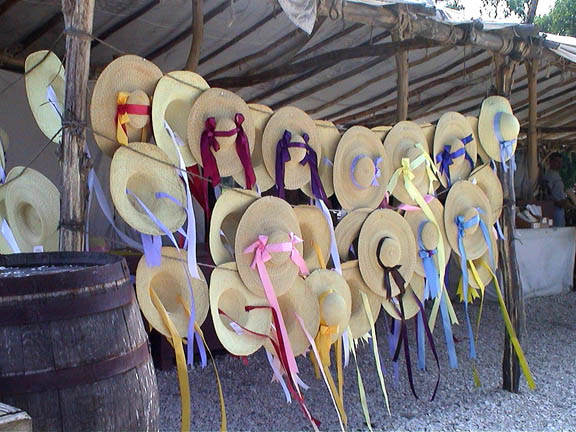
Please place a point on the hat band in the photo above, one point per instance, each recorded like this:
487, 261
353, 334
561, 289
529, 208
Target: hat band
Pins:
377, 171
390, 271
446, 157
123, 111
506, 146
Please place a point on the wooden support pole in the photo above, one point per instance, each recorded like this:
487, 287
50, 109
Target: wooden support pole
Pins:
78, 16
402, 69
532, 72
197, 35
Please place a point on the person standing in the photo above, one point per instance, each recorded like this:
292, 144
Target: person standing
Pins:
555, 187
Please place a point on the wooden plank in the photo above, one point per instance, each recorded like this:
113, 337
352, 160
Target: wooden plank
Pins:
14, 419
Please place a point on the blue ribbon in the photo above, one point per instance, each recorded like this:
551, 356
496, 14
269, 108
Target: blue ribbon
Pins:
446, 157
506, 147
375, 177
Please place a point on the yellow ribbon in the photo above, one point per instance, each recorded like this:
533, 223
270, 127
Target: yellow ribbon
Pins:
122, 119
361, 390
471, 297
319, 255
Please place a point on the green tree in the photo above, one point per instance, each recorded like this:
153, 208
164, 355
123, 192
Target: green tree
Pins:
560, 20
455, 4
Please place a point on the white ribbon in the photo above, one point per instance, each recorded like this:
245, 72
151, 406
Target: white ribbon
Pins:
53, 100
9, 237
333, 246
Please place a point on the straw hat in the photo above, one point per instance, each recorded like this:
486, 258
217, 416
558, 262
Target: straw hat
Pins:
173, 99
274, 218
485, 178
386, 238
42, 70
359, 323
297, 122
315, 229
329, 137
301, 301
410, 305
473, 121
454, 130
348, 230
428, 129
222, 105
429, 232
509, 126
171, 282
138, 167
381, 131
4, 246
464, 198
228, 210
129, 74
4, 140
362, 169
485, 275
260, 116
33, 209
334, 297
230, 295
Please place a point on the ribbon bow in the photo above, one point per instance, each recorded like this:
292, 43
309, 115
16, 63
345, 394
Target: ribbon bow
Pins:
506, 146
375, 177
123, 111
446, 157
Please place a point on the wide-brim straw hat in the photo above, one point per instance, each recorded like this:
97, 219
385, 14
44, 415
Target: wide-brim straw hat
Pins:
173, 99
359, 321
222, 105
297, 122
348, 230
359, 157
429, 129
146, 170
274, 218
226, 215
485, 178
454, 130
43, 69
334, 298
128, 74
32, 209
429, 233
229, 295
483, 273
398, 248
464, 198
473, 121
171, 281
315, 230
381, 131
4, 139
411, 308
299, 300
509, 126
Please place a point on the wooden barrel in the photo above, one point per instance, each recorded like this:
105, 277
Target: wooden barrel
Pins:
73, 350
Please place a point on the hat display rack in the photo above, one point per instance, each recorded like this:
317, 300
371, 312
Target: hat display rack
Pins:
385, 211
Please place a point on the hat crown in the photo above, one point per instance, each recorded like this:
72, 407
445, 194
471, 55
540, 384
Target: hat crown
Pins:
332, 309
430, 236
471, 214
364, 171
279, 258
509, 126
456, 144
32, 221
225, 124
165, 287
297, 153
390, 252
138, 97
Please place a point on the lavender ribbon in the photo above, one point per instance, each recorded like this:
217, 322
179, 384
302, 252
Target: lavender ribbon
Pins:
377, 171
506, 146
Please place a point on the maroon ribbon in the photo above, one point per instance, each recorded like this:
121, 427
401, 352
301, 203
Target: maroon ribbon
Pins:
131, 109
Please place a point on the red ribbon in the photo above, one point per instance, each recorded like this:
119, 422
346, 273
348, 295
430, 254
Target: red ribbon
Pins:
135, 109
199, 189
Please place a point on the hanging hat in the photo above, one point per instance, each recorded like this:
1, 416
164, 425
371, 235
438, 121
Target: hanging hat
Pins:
386, 248
144, 170
301, 301
5, 140
260, 116
359, 322
315, 230
228, 210
291, 145
381, 131
45, 87
334, 297
173, 99
426, 234
274, 219
454, 148
2, 155
234, 326
411, 308
485, 178
348, 230
498, 128
121, 107
473, 121
329, 137
362, 169
485, 275
468, 203
171, 281
33, 209
428, 129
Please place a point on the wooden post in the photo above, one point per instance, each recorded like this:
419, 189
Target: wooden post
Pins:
78, 15
532, 72
402, 80
197, 35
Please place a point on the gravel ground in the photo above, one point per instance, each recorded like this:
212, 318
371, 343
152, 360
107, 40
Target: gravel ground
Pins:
253, 403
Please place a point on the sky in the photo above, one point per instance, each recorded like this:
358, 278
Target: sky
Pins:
473, 8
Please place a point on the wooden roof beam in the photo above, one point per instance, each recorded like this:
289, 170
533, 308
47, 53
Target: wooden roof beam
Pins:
7, 5
24, 43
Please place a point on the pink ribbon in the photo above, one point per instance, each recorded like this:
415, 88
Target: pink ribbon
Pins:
406, 207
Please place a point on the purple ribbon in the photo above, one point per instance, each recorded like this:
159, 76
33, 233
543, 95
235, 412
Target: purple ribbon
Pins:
375, 177
446, 157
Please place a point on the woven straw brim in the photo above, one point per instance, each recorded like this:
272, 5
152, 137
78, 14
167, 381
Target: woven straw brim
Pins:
301, 301
490, 107
454, 125
428, 129
2, 153
381, 224
490, 184
228, 210
228, 293
358, 141
145, 170
348, 230
381, 132
323, 280
43, 69
171, 282
463, 196
411, 308
220, 104
5, 140
267, 216
4, 247
415, 218
173, 99
485, 275
359, 322
473, 122
315, 229
297, 122
33, 209
125, 74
